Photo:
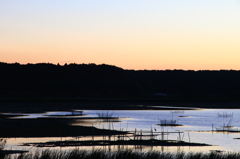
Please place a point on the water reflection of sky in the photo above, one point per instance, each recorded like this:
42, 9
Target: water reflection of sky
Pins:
43, 115
195, 124
195, 121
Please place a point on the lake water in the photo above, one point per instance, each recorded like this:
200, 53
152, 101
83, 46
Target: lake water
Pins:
197, 126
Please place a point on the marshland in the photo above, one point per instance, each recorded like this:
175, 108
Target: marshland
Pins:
141, 128
125, 154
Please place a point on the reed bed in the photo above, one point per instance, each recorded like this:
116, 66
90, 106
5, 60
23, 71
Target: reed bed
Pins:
123, 154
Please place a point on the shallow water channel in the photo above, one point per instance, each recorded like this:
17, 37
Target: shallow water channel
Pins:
197, 127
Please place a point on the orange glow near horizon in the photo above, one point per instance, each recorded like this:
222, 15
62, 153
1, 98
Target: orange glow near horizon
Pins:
148, 35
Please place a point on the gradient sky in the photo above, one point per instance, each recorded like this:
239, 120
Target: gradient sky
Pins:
132, 34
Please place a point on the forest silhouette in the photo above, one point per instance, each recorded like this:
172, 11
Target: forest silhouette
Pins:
84, 81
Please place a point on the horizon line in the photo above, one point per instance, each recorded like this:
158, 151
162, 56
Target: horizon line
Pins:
74, 63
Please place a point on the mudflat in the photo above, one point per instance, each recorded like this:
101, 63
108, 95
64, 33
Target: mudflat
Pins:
15, 126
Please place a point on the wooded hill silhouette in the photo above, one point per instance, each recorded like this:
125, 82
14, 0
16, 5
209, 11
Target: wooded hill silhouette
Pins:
45, 80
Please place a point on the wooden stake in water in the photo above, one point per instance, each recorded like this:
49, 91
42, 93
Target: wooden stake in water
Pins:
135, 134
92, 133
189, 138
151, 133
141, 135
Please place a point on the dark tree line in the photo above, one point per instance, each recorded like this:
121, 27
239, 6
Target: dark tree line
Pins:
47, 80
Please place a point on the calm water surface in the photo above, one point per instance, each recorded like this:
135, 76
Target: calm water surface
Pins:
197, 126
198, 123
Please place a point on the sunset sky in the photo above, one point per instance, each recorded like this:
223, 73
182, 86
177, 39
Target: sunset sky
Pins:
131, 34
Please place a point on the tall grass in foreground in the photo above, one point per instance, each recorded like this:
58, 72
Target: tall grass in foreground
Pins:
125, 154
